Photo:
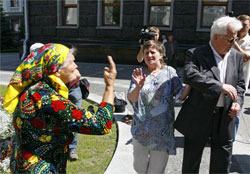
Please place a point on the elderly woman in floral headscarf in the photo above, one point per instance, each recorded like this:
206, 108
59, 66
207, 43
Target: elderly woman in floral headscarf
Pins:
44, 118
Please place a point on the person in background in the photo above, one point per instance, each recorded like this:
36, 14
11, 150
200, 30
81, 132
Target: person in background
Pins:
152, 93
164, 39
43, 118
171, 51
156, 37
243, 46
215, 75
75, 96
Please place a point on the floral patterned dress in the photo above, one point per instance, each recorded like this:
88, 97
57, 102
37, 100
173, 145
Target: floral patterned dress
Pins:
44, 121
153, 122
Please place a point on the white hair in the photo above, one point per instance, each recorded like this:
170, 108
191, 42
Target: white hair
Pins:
35, 46
72, 51
220, 25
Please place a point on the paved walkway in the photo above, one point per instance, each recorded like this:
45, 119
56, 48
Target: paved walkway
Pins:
122, 161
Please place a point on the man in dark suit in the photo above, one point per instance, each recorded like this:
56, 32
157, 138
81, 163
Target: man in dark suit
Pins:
215, 75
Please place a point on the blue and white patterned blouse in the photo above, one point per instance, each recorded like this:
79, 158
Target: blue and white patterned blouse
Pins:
153, 123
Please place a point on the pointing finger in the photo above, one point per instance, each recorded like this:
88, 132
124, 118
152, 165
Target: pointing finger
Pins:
111, 63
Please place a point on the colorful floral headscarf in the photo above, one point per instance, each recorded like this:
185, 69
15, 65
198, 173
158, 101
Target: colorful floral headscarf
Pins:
41, 64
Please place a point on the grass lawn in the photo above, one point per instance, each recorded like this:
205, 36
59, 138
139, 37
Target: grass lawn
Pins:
2, 90
94, 151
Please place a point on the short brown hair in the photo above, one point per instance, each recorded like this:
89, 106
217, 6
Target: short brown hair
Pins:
155, 29
158, 46
243, 17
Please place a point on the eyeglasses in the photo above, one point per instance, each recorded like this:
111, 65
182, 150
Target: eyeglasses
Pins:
231, 39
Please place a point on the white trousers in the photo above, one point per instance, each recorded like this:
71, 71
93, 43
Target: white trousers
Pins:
148, 161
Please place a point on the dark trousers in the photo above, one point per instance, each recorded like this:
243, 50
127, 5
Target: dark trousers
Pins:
221, 149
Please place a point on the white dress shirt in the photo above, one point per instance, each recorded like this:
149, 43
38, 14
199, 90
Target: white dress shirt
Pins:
244, 43
222, 66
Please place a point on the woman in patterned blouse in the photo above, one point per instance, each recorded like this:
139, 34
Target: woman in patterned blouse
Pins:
44, 119
152, 91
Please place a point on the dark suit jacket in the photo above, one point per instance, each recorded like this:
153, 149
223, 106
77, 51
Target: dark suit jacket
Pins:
202, 74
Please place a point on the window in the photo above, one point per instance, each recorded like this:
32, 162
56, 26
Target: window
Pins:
159, 13
212, 10
111, 12
14, 3
209, 10
69, 12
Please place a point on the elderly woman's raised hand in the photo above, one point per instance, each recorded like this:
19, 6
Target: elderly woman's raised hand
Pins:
110, 73
138, 77
76, 75
109, 79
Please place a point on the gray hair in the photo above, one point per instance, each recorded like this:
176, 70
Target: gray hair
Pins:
220, 25
72, 51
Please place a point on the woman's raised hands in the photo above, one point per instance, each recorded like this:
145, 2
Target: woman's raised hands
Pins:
138, 77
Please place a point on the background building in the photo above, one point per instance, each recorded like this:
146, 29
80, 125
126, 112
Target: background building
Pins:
13, 11
111, 27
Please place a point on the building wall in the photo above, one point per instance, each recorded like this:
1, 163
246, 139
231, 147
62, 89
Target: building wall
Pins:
15, 16
94, 44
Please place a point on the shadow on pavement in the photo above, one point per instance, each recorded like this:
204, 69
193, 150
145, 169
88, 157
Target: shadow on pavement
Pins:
244, 160
130, 141
247, 111
247, 94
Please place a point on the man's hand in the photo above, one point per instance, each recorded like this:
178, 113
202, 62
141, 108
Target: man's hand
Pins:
234, 110
230, 91
245, 59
